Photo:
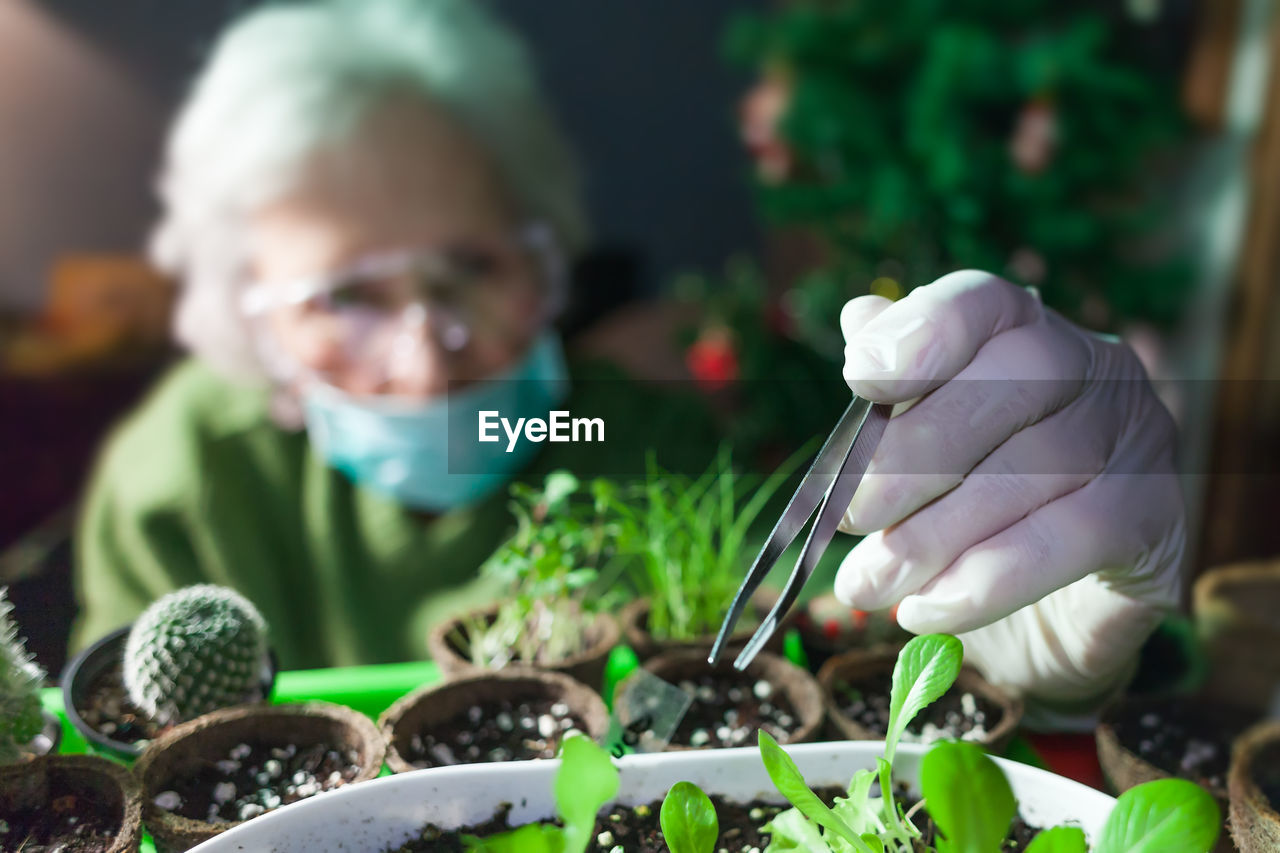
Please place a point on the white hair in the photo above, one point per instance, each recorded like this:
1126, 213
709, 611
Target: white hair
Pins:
286, 79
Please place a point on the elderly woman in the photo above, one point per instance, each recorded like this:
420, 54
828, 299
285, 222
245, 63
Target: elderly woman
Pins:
370, 209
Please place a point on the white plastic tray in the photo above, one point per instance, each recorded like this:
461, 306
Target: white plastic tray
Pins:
371, 816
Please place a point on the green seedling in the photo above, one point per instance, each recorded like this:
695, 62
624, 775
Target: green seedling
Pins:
969, 798
685, 541
688, 818
926, 668
1164, 816
585, 781
1060, 839
550, 565
967, 795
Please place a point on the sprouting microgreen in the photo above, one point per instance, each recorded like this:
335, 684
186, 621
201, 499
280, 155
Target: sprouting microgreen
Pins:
968, 798
688, 819
1164, 816
551, 562
685, 539
586, 780
1059, 839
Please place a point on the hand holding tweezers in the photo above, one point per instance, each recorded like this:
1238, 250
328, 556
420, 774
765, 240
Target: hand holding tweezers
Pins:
828, 486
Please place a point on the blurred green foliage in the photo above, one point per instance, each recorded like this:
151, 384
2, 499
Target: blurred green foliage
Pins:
902, 119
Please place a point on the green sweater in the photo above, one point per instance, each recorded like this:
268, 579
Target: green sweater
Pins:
200, 486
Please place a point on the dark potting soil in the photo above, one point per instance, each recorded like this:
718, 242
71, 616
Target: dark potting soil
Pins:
728, 709
70, 824
254, 778
1020, 832
639, 829
108, 711
1179, 741
432, 839
636, 829
498, 731
958, 715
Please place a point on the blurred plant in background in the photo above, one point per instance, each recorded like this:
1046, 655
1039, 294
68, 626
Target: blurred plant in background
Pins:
922, 136
687, 542
916, 137
774, 383
562, 541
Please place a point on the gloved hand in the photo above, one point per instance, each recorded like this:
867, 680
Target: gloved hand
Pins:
1027, 501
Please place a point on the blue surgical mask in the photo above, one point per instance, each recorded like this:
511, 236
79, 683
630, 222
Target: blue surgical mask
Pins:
427, 455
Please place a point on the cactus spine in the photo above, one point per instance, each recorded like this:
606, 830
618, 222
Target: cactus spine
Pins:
194, 651
20, 680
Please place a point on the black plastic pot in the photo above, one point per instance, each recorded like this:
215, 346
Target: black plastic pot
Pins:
85, 668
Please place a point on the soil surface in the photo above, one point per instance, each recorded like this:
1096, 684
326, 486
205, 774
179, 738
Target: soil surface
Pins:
958, 715
728, 709
1020, 833
109, 712
1181, 742
252, 779
499, 731
639, 829
71, 824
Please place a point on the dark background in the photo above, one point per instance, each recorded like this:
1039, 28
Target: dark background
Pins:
640, 86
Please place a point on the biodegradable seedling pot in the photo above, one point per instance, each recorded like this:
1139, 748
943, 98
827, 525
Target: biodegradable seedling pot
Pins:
194, 746
386, 813
433, 707
859, 664
43, 784
97, 661
1124, 768
1237, 616
1254, 785
587, 666
634, 618
798, 687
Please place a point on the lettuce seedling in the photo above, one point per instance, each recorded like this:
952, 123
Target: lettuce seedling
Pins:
586, 780
967, 795
688, 818
926, 668
1164, 816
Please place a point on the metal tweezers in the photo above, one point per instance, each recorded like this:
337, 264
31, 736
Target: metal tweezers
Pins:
828, 486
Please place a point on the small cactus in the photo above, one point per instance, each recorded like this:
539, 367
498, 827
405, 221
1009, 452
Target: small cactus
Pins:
20, 680
194, 651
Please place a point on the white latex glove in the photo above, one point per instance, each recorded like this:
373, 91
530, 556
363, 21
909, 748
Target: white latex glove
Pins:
1027, 501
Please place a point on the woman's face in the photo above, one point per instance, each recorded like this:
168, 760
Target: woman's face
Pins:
408, 179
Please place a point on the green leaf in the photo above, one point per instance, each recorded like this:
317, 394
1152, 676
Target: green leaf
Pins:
688, 818
926, 668
967, 796
532, 838
876, 845
791, 830
586, 781
560, 485
1164, 816
787, 779
1060, 839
